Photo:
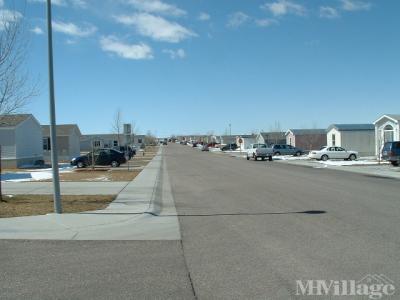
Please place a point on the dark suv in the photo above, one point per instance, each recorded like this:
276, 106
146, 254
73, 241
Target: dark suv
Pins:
391, 152
101, 157
283, 149
127, 150
232, 146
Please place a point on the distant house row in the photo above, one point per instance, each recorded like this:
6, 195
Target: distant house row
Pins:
25, 142
367, 139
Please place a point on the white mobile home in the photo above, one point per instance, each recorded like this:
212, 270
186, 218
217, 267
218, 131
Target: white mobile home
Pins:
68, 141
244, 141
357, 137
387, 129
21, 140
110, 141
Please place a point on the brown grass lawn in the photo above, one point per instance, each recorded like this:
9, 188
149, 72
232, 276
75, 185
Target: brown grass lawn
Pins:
29, 205
105, 173
101, 174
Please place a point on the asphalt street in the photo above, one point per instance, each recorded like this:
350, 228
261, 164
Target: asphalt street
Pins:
249, 231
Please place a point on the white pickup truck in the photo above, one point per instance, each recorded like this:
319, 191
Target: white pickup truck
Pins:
259, 150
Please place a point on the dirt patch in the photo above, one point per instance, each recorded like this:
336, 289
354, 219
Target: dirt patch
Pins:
31, 205
102, 174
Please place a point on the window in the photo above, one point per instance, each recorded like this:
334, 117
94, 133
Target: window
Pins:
115, 143
388, 133
139, 141
46, 144
96, 144
333, 140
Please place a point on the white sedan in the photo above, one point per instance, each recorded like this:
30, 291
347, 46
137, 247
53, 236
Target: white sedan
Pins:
333, 153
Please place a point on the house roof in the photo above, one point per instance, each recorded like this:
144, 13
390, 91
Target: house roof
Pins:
13, 120
246, 136
351, 127
62, 129
273, 134
307, 131
391, 116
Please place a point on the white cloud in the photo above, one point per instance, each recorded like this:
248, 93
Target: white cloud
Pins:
79, 3
158, 7
157, 28
328, 12
204, 16
129, 51
37, 30
55, 2
237, 19
180, 53
8, 16
265, 22
72, 29
354, 5
284, 7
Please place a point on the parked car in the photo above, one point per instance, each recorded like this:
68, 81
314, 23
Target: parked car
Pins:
127, 150
259, 150
101, 157
228, 147
333, 153
205, 147
391, 152
283, 149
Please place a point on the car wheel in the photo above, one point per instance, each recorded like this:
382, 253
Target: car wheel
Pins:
270, 158
80, 164
277, 153
114, 164
247, 157
395, 163
352, 157
263, 158
255, 158
298, 153
324, 157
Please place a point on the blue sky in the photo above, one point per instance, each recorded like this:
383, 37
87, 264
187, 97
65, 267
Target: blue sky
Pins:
194, 66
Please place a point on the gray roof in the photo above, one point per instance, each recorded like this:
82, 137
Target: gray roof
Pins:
13, 120
396, 117
307, 131
352, 127
273, 135
62, 129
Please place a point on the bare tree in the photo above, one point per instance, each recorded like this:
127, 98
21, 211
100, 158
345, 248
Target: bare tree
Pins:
15, 88
150, 139
117, 125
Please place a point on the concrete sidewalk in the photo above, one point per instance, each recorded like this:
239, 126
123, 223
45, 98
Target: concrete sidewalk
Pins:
143, 210
67, 188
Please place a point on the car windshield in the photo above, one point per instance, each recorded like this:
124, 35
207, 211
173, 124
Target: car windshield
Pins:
200, 149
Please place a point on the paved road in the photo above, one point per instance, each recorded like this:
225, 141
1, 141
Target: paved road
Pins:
249, 231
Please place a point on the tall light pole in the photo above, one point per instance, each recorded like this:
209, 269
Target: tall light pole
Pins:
53, 133
230, 134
